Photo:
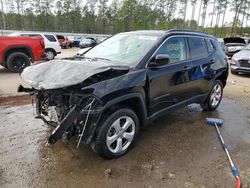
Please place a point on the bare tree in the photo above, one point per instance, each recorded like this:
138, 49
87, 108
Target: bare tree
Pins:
236, 7
243, 13
193, 3
3, 15
204, 13
199, 15
213, 13
225, 3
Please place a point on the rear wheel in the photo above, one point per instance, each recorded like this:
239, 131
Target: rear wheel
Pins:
116, 134
214, 97
50, 54
17, 61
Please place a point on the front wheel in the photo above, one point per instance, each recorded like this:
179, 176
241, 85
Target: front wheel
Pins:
214, 97
116, 134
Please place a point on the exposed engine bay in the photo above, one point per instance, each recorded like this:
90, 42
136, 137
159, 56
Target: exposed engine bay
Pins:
67, 112
71, 107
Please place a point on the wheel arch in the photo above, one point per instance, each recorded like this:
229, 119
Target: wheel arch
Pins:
222, 78
24, 49
51, 49
134, 101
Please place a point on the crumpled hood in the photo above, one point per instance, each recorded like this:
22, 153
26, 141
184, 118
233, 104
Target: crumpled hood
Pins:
62, 73
243, 54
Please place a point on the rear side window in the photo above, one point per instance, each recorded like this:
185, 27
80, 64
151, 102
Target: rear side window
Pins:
198, 47
51, 38
210, 46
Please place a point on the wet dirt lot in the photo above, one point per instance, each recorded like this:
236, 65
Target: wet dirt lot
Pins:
177, 150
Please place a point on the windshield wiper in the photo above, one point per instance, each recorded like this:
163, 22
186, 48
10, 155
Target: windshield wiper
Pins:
92, 59
96, 58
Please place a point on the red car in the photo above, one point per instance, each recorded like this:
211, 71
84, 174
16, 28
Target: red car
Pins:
16, 53
65, 42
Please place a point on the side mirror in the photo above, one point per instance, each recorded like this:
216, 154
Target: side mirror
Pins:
160, 60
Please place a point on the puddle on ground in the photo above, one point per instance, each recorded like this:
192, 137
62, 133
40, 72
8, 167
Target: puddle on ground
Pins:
176, 150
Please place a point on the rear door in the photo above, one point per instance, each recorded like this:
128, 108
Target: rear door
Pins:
169, 84
201, 54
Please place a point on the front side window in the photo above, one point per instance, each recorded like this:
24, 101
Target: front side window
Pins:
175, 48
198, 47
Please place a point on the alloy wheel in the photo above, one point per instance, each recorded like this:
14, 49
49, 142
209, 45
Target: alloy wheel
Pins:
50, 55
120, 134
216, 95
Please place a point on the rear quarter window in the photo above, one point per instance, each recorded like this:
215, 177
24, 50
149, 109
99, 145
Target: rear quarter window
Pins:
51, 38
210, 46
197, 47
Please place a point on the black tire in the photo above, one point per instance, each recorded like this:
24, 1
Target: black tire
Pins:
17, 61
50, 54
209, 105
234, 72
106, 128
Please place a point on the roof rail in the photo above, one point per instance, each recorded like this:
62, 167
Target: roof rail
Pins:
187, 30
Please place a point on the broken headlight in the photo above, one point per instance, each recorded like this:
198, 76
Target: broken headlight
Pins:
234, 61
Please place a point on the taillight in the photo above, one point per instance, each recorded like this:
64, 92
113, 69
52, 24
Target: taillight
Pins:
42, 43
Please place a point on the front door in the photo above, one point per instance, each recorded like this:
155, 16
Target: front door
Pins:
169, 84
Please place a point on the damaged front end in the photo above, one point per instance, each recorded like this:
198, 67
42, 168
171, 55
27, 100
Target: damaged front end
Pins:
72, 114
64, 97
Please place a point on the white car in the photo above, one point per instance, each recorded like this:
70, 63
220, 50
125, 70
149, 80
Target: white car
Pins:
52, 46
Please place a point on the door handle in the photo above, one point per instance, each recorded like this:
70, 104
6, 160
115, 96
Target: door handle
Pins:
186, 68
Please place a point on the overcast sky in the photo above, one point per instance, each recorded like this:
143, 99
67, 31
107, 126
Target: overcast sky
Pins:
228, 18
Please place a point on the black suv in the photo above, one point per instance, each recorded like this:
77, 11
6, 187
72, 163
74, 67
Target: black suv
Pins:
104, 96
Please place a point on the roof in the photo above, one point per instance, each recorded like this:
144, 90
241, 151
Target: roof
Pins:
165, 32
190, 32
148, 32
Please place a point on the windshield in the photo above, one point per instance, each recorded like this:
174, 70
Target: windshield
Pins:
123, 48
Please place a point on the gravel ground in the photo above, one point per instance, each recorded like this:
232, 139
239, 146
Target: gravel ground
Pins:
177, 150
